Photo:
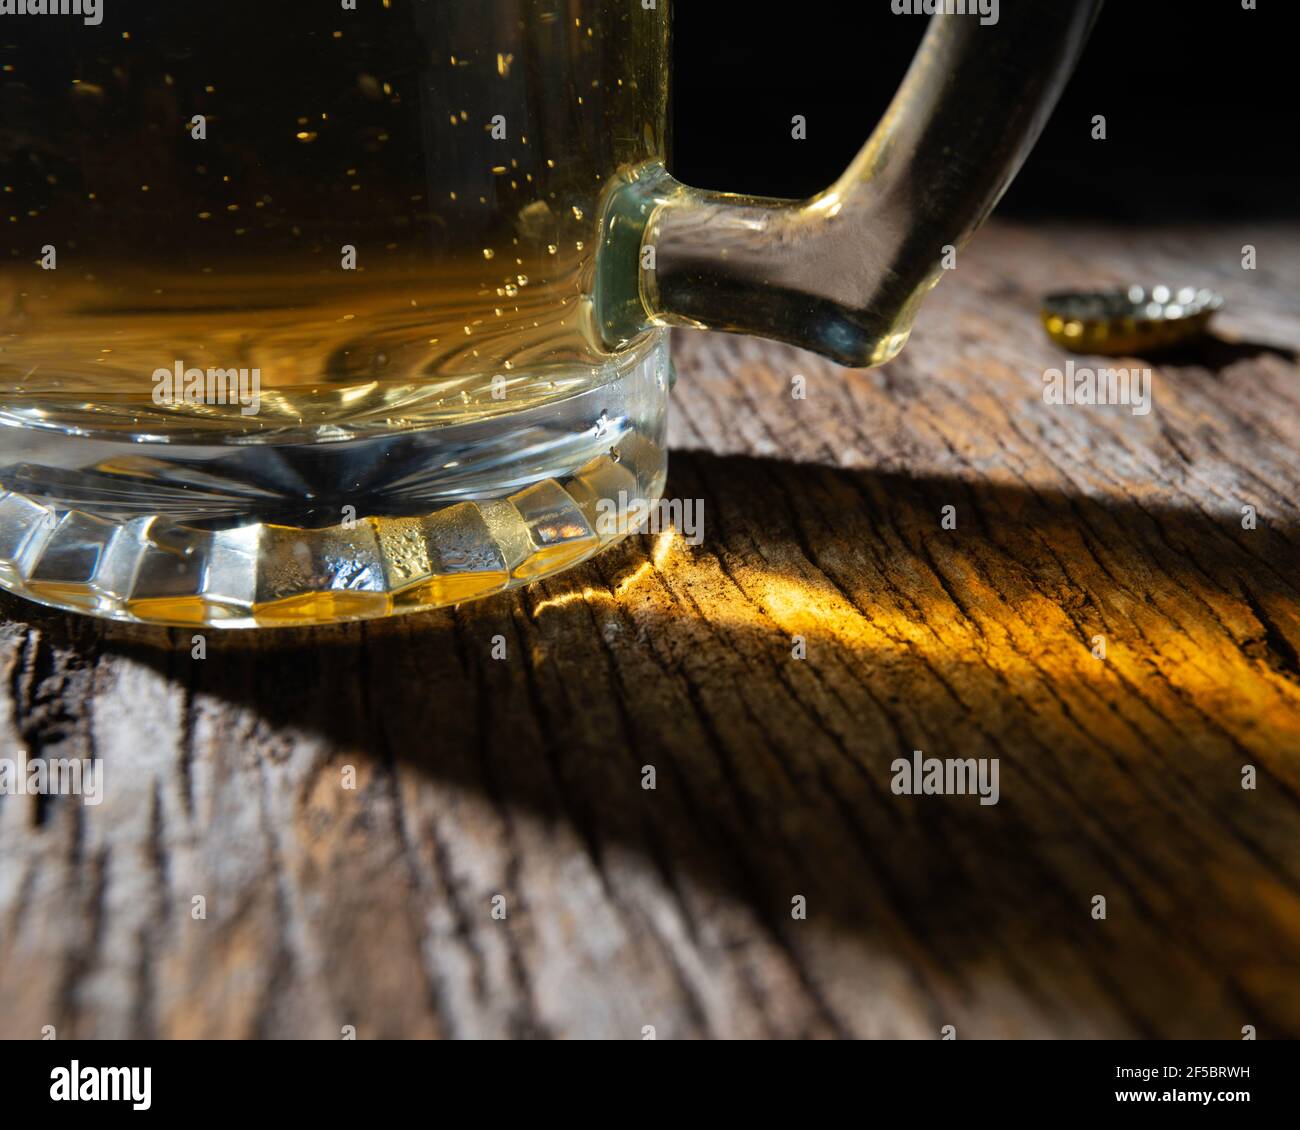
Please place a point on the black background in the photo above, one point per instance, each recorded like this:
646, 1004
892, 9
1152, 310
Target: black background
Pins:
1201, 102
336, 1082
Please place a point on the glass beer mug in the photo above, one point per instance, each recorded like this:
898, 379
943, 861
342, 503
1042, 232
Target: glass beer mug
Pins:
325, 311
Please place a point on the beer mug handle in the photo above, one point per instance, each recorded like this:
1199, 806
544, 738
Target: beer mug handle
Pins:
844, 272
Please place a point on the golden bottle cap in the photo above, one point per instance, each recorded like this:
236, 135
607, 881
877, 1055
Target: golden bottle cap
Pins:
1133, 321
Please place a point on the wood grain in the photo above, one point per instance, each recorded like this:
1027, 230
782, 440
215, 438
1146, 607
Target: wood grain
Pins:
626, 907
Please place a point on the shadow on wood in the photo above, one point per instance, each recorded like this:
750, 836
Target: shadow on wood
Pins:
1216, 353
1120, 777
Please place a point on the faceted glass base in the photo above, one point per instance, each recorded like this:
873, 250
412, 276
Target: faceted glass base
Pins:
156, 571
467, 537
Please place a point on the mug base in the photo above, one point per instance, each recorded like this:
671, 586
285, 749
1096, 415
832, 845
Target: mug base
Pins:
311, 532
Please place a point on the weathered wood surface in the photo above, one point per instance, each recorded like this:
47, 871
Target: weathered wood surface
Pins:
522, 777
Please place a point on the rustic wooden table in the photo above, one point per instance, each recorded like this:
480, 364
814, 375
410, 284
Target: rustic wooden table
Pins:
327, 906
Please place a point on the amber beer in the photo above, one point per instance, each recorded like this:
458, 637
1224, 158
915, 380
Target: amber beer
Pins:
381, 210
